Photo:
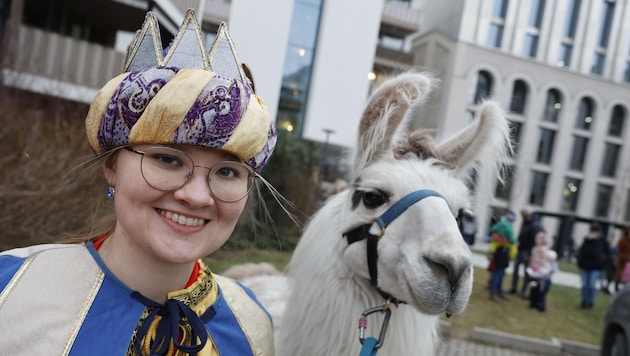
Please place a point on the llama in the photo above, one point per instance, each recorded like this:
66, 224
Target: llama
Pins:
353, 256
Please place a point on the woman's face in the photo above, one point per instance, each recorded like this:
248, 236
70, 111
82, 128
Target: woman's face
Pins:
176, 226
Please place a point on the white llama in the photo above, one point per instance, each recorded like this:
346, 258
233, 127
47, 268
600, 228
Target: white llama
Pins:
420, 259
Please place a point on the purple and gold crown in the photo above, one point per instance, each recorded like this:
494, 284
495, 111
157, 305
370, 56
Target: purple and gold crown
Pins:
182, 95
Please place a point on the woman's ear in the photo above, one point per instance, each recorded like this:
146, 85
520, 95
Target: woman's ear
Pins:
109, 170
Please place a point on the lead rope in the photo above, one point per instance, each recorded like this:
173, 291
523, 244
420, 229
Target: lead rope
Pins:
372, 344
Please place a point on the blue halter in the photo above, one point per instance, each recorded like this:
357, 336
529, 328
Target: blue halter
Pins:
363, 232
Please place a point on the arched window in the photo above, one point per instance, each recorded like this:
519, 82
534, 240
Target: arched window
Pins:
484, 86
553, 105
519, 97
617, 120
585, 114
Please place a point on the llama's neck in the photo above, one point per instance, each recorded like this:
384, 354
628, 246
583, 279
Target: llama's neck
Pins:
326, 301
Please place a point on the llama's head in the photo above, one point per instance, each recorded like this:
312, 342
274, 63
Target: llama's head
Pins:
419, 256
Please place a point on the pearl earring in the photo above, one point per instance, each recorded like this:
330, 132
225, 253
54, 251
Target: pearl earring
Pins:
110, 192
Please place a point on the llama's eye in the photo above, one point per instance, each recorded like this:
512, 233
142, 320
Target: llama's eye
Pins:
374, 198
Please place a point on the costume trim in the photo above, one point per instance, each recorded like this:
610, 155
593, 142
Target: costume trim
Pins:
258, 330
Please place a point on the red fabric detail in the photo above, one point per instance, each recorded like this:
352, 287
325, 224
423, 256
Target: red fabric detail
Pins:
98, 242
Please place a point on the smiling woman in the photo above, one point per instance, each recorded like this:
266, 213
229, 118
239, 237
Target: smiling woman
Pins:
180, 139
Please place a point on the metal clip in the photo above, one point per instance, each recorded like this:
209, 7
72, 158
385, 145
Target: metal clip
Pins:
363, 324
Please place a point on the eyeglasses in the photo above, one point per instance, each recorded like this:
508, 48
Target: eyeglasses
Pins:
168, 169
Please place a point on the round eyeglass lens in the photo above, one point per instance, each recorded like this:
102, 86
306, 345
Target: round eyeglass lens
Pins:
167, 169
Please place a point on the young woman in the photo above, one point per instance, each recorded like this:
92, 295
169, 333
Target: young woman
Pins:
180, 147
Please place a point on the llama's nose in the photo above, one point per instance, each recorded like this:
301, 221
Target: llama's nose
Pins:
452, 267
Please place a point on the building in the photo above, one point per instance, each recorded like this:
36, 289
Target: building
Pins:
560, 68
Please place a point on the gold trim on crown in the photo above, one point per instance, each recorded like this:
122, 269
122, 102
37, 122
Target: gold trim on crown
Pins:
186, 50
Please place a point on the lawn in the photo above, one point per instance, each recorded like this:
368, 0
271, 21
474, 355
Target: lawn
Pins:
563, 318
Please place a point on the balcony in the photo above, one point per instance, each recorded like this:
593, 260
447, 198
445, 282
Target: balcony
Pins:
49, 63
391, 58
404, 19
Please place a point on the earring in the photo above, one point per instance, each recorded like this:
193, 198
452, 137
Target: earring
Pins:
110, 192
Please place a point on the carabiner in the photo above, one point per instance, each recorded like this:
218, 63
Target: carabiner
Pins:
363, 324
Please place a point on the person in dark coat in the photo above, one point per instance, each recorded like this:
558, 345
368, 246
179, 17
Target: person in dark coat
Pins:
591, 260
526, 241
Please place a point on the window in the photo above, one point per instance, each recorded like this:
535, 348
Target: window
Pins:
530, 47
578, 154
573, 14
545, 146
536, 13
564, 59
626, 72
599, 60
605, 23
504, 190
585, 114
484, 87
604, 197
539, 188
519, 97
609, 161
495, 35
552, 105
516, 129
570, 194
626, 216
617, 121
499, 9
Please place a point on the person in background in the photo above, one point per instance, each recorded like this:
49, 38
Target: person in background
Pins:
502, 249
542, 264
591, 260
623, 257
180, 139
467, 226
526, 241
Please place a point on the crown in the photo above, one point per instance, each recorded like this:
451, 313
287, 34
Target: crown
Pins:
186, 50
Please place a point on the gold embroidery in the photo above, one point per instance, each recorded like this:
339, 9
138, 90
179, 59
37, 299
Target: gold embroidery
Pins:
83, 312
16, 277
199, 297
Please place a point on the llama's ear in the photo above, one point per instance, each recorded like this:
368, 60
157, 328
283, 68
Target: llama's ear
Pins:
486, 141
386, 114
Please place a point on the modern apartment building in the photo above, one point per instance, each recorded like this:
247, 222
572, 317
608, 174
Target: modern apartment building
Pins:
560, 68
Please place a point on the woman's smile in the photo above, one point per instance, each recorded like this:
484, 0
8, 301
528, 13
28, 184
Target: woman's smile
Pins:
182, 219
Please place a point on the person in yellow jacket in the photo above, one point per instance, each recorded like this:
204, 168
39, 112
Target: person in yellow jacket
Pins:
501, 251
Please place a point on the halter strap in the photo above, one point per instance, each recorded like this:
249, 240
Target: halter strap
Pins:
363, 232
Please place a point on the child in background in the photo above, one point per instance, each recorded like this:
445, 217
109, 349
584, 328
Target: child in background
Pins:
542, 264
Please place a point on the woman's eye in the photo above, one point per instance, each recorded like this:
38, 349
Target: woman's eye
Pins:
168, 160
374, 198
227, 172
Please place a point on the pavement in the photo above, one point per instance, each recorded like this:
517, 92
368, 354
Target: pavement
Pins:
496, 343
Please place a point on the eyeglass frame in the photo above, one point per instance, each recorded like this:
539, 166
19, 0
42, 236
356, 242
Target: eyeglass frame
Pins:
252, 174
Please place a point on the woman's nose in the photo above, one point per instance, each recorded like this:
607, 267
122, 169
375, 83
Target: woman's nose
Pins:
196, 191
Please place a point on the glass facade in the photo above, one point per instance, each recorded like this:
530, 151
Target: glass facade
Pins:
298, 65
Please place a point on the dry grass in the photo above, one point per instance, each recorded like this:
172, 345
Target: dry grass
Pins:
41, 140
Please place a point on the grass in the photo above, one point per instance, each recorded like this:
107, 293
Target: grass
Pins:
563, 319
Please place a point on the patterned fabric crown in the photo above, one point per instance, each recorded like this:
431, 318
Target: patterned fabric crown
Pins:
182, 95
